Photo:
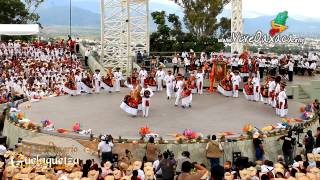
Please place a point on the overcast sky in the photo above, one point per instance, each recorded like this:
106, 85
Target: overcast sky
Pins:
299, 9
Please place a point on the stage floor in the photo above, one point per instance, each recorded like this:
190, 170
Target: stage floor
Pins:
210, 113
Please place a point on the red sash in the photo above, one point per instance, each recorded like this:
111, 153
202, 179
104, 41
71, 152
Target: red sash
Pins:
281, 103
257, 89
147, 103
236, 87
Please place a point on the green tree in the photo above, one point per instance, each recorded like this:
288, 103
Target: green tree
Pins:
19, 11
201, 16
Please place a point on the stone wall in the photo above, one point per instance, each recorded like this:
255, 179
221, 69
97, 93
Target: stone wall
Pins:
271, 144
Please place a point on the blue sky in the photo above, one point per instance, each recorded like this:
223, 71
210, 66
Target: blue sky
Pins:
298, 9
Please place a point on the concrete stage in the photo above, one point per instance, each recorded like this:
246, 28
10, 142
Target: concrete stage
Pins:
210, 113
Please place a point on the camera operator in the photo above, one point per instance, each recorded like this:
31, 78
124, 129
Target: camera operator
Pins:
105, 148
308, 142
288, 147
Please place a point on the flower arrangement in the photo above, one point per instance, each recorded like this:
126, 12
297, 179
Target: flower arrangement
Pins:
144, 131
190, 134
62, 130
76, 127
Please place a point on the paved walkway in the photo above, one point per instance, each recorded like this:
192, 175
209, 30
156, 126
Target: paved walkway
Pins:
209, 114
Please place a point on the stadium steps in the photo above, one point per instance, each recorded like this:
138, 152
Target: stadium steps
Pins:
303, 95
81, 58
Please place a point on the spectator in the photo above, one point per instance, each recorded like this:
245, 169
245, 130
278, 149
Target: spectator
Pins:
186, 174
86, 57
156, 165
152, 150
287, 147
167, 167
214, 151
185, 156
309, 142
317, 145
105, 148
257, 142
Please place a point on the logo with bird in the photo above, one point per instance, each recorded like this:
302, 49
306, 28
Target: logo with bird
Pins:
278, 25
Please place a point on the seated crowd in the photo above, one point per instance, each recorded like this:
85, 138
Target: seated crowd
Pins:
35, 70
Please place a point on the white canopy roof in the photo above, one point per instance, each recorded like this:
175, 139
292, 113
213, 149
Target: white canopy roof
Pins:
19, 29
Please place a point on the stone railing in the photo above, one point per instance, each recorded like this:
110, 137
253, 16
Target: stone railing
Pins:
271, 144
92, 62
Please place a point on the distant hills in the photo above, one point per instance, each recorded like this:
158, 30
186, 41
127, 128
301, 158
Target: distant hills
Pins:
86, 13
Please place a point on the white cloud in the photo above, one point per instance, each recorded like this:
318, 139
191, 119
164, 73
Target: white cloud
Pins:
299, 9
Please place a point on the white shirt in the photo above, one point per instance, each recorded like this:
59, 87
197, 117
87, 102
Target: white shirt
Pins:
97, 77
105, 147
176, 61
146, 89
160, 74
313, 66
3, 149
77, 78
272, 86
235, 61
179, 85
199, 76
256, 81
290, 66
87, 53
155, 166
236, 80
169, 79
143, 74
282, 96
118, 76
262, 62
186, 61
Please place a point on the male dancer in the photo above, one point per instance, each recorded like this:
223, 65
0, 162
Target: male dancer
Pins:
146, 93
160, 74
97, 80
169, 78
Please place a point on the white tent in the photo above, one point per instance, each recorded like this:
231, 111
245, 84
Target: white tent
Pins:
19, 29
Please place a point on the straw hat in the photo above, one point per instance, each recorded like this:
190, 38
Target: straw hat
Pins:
312, 176
11, 170
315, 170
311, 157
1, 164
75, 175
109, 177
148, 164
26, 170
93, 174
278, 165
41, 177
123, 166
117, 173
68, 167
244, 174
107, 165
126, 178
85, 178
21, 176
298, 175
291, 178
317, 157
149, 175
137, 165
129, 170
280, 170
304, 178
228, 176
252, 171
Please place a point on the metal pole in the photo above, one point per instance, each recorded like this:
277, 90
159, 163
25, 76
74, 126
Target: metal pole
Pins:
102, 30
70, 19
148, 29
128, 38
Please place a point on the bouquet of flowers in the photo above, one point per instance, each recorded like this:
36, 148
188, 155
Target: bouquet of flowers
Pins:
144, 130
190, 134
76, 127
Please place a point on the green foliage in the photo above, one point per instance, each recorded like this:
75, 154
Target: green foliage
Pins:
201, 16
19, 11
170, 37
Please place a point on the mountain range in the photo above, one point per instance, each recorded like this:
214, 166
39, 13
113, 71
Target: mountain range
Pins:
87, 13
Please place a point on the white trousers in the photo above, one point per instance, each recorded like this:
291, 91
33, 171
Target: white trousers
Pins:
169, 90
200, 86
142, 81
97, 87
282, 112
256, 93
178, 96
235, 91
117, 85
78, 84
145, 109
159, 83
